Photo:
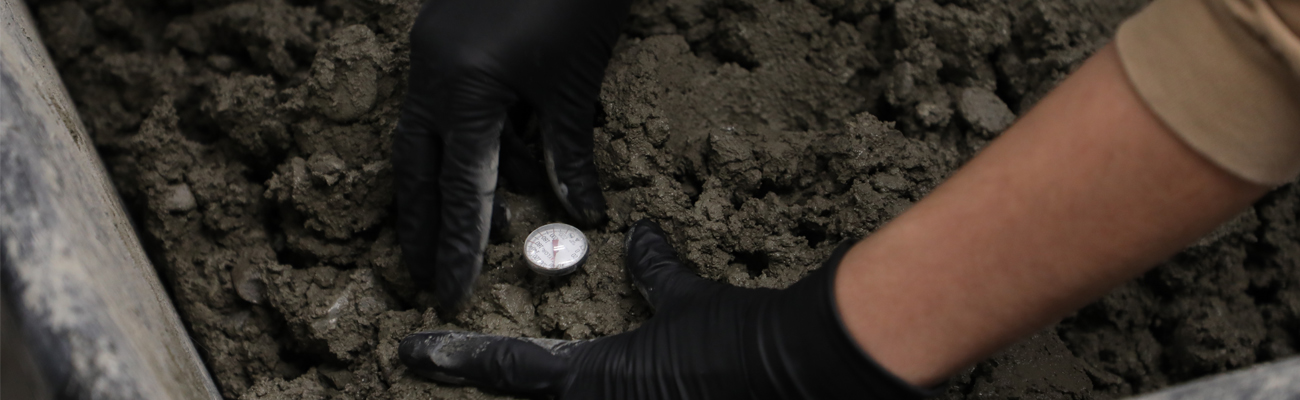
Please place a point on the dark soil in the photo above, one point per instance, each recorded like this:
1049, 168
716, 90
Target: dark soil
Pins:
251, 139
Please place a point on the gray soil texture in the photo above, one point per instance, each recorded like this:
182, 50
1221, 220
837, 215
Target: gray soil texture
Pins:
250, 140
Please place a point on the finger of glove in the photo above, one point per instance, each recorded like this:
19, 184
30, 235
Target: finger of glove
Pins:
657, 270
417, 161
522, 366
565, 121
458, 96
468, 182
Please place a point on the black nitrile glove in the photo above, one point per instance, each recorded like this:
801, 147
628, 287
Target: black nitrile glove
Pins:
471, 61
707, 340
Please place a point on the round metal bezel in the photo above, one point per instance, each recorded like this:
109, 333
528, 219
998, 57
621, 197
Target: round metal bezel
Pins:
563, 268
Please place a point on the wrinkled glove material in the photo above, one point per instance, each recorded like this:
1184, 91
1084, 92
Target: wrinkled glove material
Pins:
707, 340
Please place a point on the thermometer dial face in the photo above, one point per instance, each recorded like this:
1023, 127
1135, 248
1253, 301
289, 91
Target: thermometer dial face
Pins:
555, 249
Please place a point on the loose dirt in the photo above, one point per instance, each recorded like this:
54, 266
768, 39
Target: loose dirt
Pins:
251, 139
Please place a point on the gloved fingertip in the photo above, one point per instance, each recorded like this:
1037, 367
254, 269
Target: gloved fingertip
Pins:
588, 209
497, 362
438, 355
454, 283
646, 240
452, 297
578, 188
591, 217
643, 226
655, 267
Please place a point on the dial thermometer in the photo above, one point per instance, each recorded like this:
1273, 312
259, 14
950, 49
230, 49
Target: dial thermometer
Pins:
555, 249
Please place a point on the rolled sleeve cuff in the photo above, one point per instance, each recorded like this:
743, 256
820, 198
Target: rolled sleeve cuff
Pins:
1219, 84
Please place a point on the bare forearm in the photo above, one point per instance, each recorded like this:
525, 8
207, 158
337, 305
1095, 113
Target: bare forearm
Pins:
1087, 190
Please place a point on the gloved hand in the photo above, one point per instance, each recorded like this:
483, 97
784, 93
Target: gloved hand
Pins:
707, 340
471, 61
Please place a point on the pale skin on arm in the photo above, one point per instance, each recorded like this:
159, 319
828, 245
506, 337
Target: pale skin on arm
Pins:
1087, 190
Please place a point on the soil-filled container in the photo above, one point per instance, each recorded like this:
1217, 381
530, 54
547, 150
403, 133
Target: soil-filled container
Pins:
250, 140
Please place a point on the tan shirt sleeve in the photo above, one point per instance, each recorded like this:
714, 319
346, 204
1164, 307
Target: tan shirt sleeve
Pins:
1224, 75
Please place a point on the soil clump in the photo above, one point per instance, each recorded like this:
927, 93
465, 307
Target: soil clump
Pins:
250, 139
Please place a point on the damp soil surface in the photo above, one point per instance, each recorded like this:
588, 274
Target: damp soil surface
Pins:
250, 140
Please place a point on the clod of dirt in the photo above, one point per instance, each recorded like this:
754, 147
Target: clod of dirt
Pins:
180, 198
271, 34
333, 198
248, 282
244, 107
345, 74
984, 111
329, 311
75, 32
